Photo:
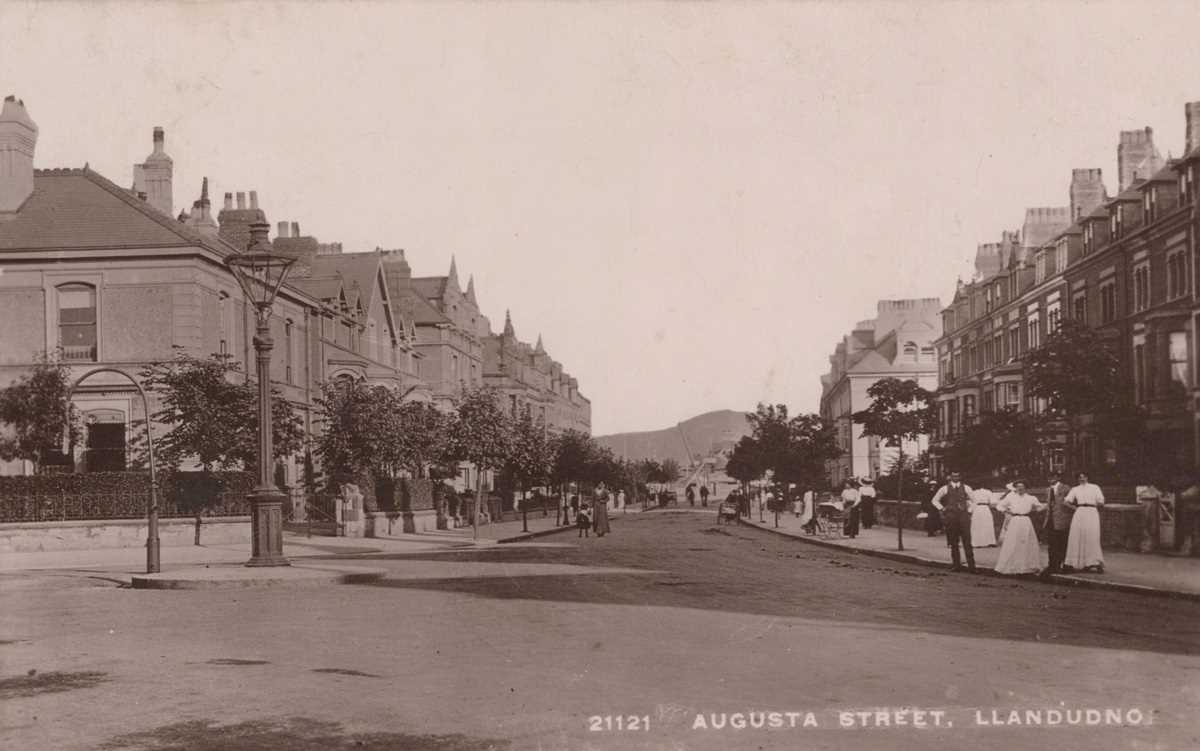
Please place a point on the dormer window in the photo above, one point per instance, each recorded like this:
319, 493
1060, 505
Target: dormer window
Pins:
1114, 223
998, 295
1187, 182
1060, 256
1089, 237
1041, 266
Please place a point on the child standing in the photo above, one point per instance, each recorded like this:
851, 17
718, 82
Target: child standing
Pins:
583, 520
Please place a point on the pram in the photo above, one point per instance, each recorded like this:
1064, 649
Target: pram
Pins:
727, 511
830, 519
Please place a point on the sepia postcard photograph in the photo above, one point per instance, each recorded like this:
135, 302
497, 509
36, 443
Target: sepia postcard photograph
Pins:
599, 376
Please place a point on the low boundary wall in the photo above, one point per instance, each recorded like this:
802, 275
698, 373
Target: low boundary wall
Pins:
37, 537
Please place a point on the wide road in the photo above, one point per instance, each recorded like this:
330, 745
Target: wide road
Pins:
691, 628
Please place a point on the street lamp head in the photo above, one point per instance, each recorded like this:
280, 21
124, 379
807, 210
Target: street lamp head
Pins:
261, 270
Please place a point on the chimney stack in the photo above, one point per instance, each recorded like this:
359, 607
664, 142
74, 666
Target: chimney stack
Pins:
1087, 192
1192, 140
201, 218
1137, 159
155, 177
283, 230
18, 139
235, 222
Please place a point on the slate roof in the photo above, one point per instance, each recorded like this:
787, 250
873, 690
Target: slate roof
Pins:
79, 209
414, 307
362, 268
323, 288
430, 287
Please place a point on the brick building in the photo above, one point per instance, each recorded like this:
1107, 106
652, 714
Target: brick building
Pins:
531, 382
897, 343
1125, 266
113, 278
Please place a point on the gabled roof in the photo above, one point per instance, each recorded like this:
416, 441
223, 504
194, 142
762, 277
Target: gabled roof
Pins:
322, 288
79, 209
414, 307
430, 287
362, 269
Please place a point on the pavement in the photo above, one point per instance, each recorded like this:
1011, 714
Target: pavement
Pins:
1146, 573
190, 566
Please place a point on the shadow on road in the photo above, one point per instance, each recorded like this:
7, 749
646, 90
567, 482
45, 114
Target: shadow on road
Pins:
293, 734
742, 570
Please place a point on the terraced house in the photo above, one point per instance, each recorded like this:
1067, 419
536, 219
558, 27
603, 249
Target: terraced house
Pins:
112, 277
1124, 265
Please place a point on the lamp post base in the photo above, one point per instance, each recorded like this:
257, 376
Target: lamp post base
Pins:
266, 528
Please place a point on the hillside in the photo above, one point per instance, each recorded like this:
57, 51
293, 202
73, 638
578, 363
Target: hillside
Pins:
702, 435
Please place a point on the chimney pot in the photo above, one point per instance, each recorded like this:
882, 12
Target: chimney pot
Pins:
295, 229
228, 201
241, 200
283, 229
254, 199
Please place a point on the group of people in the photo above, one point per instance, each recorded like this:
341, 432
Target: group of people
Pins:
690, 494
1071, 524
594, 518
858, 501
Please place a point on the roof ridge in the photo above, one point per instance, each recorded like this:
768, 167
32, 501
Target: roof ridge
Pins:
154, 214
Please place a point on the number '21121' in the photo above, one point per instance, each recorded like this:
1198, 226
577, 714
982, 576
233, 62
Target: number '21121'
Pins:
604, 723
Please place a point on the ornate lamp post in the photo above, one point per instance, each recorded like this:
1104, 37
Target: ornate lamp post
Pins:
261, 272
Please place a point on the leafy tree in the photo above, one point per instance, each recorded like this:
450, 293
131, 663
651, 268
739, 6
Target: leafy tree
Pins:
671, 471
1078, 372
211, 417
1005, 441
421, 440
529, 463
360, 429
792, 449
211, 414
482, 434
572, 452
900, 411
34, 412
745, 463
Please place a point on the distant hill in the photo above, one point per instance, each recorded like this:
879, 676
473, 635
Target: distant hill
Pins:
701, 434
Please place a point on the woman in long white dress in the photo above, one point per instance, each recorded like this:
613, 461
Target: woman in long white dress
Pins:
983, 526
1083, 541
1020, 552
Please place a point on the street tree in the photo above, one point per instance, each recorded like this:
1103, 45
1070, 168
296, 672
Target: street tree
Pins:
1003, 441
572, 451
360, 431
210, 413
745, 463
1077, 371
531, 458
421, 439
900, 410
482, 434
35, 412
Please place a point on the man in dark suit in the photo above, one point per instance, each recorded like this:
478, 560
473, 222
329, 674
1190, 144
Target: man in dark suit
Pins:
1058, 523
953, 501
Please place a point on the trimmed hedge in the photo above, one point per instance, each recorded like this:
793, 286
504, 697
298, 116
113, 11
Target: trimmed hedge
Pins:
122, 495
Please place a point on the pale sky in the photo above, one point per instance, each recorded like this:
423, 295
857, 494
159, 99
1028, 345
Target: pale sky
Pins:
692, 203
